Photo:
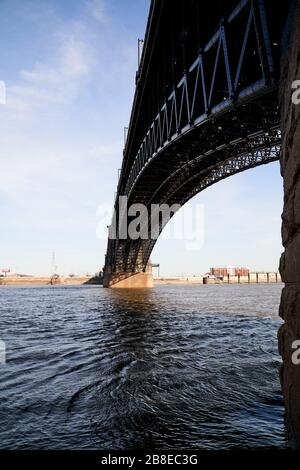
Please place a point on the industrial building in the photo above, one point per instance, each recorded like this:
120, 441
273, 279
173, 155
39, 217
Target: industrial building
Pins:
230, 270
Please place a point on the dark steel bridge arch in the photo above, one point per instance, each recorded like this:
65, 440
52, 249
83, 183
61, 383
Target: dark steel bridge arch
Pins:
205, 106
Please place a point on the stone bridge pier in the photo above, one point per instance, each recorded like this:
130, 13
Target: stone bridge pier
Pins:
290, 259
128, 280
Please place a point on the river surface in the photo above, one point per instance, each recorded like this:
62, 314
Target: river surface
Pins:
170, 367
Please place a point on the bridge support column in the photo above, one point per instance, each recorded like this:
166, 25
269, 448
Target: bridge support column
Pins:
290, 259
128, 280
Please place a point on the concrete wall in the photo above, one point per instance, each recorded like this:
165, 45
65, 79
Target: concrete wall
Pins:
290, 259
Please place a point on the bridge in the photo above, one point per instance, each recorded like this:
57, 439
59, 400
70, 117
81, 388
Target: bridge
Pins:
205, 108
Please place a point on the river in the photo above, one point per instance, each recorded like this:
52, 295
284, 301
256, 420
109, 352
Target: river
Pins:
170, 367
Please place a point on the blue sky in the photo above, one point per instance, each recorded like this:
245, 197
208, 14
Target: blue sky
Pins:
69, 69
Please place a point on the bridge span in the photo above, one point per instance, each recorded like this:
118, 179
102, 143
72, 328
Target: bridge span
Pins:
205, 108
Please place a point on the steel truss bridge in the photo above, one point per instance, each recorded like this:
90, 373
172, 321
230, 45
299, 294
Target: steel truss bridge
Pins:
205, 107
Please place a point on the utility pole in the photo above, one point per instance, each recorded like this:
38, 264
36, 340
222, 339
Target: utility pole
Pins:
53, 264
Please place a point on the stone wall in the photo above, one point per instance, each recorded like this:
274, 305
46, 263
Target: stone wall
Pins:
290, 259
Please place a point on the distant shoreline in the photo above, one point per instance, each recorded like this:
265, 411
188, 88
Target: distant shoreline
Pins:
251, 278
46, 280
255, 278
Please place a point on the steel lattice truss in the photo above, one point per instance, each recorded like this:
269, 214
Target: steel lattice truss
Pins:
224, 170
135, 256
237, 164
196, 99
220, 118
260, 148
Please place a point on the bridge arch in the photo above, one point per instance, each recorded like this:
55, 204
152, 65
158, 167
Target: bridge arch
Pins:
180, 187
183, 184
205, 107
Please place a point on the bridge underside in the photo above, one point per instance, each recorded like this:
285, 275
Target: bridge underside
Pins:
205, 108
182, 175
186, 168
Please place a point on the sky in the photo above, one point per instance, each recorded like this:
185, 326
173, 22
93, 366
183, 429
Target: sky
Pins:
69, 69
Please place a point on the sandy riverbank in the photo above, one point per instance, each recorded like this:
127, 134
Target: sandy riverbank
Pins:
44, 281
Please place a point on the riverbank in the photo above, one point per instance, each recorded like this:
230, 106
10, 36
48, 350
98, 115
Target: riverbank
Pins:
252, 278
44, 281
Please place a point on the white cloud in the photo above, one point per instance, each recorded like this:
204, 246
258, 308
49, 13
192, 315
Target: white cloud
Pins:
97, 9
76, 54
58, 79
